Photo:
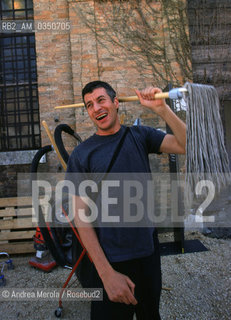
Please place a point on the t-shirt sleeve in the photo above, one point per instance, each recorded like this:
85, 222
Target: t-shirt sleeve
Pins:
153, 138
75, 172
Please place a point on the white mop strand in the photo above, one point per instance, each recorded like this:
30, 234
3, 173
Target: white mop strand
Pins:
206, 156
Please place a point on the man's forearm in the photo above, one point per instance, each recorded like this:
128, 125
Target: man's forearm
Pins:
91, 243
90, 240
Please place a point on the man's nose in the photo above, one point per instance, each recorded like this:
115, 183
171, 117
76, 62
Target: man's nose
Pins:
96, 106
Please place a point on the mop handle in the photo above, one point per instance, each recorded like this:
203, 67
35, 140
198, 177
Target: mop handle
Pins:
176, 93
54, 144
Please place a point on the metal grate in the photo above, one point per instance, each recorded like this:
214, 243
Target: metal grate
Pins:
16, 9
19, 109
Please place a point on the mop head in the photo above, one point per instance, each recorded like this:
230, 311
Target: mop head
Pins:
206, 156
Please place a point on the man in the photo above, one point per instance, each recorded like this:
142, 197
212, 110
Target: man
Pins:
127, 260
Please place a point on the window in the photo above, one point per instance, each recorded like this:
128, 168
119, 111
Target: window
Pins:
19, 109
16, 9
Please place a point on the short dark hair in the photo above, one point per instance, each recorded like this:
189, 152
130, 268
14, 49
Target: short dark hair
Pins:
91, 86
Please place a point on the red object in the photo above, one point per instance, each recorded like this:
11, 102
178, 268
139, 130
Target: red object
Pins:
46, 262
43, 264
38, 237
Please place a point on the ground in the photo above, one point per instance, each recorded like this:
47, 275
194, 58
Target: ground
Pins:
199, 285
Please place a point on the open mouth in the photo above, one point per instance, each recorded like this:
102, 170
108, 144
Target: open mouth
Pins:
101, 116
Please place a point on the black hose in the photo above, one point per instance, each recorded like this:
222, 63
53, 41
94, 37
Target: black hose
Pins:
59, 142
52, 242
53, 245
38, 156
35, 162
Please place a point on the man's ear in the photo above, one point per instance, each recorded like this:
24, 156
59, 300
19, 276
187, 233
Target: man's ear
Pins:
116, 102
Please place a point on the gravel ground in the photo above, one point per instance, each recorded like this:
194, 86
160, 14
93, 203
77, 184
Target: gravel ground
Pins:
199, 283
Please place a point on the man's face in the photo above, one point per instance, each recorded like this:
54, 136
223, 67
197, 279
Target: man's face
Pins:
102, 111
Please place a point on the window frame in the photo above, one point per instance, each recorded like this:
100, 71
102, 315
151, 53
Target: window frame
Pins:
19, 134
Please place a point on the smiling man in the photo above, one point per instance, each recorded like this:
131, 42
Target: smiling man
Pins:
102, 109
126, 260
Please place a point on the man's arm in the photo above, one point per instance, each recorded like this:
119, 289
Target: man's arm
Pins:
172, 143
118, 286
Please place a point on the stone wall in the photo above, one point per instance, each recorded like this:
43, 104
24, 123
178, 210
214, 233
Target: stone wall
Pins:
210, 36
209, 26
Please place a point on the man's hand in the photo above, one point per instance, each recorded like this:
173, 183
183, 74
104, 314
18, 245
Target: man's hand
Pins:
172, 143
119, 287
147, 99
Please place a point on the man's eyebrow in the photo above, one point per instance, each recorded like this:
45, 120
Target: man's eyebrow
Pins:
99, 97
88, 102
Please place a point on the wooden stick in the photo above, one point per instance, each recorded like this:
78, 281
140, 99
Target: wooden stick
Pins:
161, 95
122, 117
166, 289
54, 145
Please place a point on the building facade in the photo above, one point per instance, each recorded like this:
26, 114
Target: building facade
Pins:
130, 44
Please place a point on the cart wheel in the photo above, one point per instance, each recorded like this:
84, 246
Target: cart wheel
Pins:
10, 265
58, 312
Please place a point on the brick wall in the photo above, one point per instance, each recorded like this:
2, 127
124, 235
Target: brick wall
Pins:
85, 57
54, 69
67, 60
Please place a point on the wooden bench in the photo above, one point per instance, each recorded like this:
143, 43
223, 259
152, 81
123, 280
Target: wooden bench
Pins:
16, 225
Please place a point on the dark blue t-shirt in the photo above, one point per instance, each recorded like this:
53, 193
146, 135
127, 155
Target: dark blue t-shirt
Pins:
94, 156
